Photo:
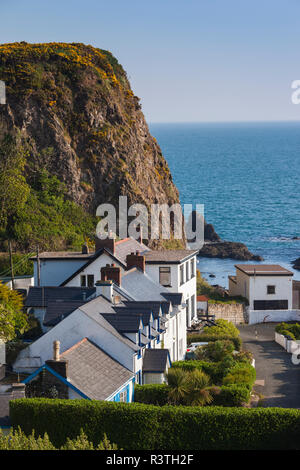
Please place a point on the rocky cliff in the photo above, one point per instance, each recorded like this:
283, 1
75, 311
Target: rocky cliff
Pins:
79, 120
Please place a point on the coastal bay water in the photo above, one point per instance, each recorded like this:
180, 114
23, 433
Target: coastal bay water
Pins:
247, 175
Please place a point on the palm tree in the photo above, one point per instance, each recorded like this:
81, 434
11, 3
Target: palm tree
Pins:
178, 385
199, 392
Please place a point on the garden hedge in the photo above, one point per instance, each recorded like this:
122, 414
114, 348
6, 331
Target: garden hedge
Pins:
152, 394
203, 337
137, 426
228, 395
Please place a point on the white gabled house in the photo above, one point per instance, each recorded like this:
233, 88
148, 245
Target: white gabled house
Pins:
172, 269
132, 303
268, 289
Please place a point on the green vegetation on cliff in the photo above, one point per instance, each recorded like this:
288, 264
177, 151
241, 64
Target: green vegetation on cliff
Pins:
78, 138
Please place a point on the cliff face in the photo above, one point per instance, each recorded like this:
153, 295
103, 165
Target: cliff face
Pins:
80, 120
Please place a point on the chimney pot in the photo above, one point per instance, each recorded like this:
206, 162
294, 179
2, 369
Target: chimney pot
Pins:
56, 350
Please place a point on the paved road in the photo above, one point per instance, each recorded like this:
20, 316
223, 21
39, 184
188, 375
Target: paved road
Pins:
277, 378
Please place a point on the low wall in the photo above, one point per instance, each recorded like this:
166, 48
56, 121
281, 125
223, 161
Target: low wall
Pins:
235, 313
289, 345
6, 395
264, 316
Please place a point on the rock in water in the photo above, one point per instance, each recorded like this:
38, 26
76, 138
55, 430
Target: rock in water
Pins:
226, 249
215, 247
296, 264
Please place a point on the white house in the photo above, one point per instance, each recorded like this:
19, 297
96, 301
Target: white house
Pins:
123, 321
175, 270
269, 290
82, 371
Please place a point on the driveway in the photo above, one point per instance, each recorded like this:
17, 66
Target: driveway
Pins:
277, 378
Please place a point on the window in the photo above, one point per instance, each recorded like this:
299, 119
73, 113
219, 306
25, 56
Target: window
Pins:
192, 268
271, 304
123, 395
270, 289
192, 306
187, 312
87, 281
90, 280
187, 276
181, 274
165, 276
83, 281
138, 377
180, 347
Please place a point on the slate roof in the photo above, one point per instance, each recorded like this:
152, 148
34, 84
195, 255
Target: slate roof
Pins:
173, 297
154, 306
40, 296
95, 310
169, 256
64, 254
93, 371
143, 314
56, 311
156, 360
140, 286
124, 323
264, 270
129, 245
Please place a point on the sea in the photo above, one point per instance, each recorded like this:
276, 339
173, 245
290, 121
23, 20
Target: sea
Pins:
247, 175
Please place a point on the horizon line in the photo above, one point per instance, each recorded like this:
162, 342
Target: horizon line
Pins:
228, 122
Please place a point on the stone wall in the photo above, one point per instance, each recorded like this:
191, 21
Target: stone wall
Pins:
12, 392
236, 313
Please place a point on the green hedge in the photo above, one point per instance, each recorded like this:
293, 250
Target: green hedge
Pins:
136, 426
227, 395
195, 338
152, 394
289, 329
232, 395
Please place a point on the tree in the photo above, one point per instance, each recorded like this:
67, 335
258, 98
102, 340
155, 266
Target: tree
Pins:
198, 389
177, 382
188, 388
13, 320
14, 189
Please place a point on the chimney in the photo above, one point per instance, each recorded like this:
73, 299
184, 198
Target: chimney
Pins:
56, 350
108, 243
111, 273
105, 288
136, 261
85, 249
58, 365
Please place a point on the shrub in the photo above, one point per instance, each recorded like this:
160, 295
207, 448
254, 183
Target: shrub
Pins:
17, 440
289, 329
242, 374
136, 426
231, 395
207, 337
215, 370
152, 394
215, 350
289, 334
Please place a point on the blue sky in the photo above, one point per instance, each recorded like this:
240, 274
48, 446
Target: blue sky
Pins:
192, 60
